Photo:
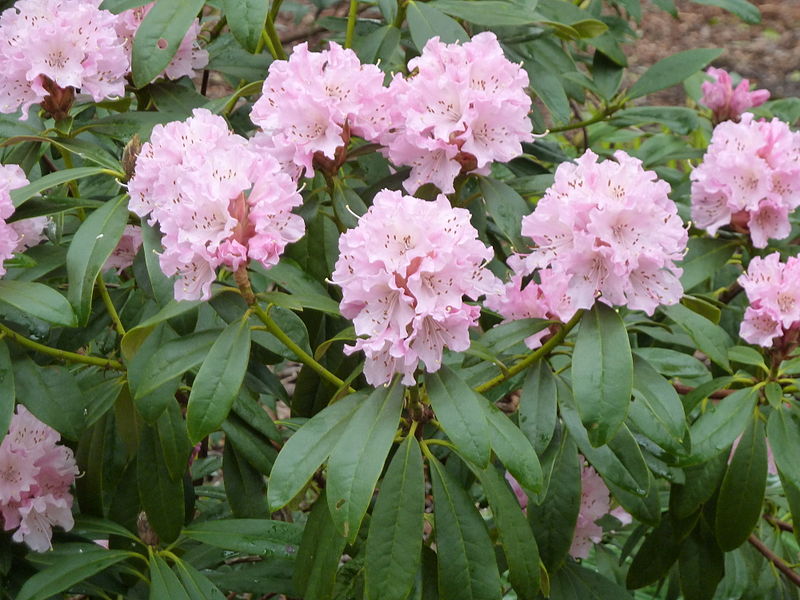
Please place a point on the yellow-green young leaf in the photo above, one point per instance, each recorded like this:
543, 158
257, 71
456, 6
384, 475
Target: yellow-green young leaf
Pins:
742, 492
602, 372
537, 405
425, 22
357, 460
466, 563
91, 246
307, 449
673, 70
38, 300
516, 536
459, 411
68, 570
163, 581
394, 543
218, 381
160, 495
262, 537
6, 390
159, 36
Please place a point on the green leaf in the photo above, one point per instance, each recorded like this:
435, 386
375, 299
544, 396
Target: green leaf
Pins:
701, 564
425, 22
602, 372
514, 451
246, 20
196, 584
261, 537
394, 543
356, 462
459, 411
134, 338
705, 257
716, 428
163, 581
307, 449
743, 9
681, 120
701, 482
69, 570
747, 356
160, 495
6, 390
655, 556
711, 339
174, 358
516, 536
589, 28
537, 405
656, 410
466, 564
218, 380
506, 207
742, 492
245, 488
159, 36
490, 13
320, 551
553, 520
160, 285
673, 70
783, 432
575, 582
151, 405
502, 338
174, 440
38, 300
250, 444
52, 395
51, 180
91, 246
229, 58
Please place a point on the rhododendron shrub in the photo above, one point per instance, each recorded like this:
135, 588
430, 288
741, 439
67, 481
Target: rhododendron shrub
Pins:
391, 300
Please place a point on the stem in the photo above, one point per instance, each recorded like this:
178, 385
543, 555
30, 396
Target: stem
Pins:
782, 525
351, 23
273, 11
109, 305
533, 356
609, 110
717, 395
301, 354
775, 560
401, 15
275, 42
62, 354
243, 281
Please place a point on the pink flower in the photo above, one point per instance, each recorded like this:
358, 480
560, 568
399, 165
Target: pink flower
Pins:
773, 289
36, 474
603, 229
188, 59
750, 178
11, 178
463, 108
30, 232
49, 46
216, 199
595, 503
404, 272
122, 256
313, 102
726, 102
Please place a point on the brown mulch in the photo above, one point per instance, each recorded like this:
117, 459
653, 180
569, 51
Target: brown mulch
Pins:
768, 54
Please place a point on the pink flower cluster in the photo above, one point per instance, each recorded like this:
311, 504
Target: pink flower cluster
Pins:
595, 504
122, 256
773, 289
726, 102
217, 200
62, 43
11, 177
750, 178
404, 272
313, 102
35, 477
603, 229
464, 107
189, 57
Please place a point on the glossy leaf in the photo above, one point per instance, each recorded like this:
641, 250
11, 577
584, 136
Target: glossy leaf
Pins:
161, 496
490, 13
7, 389
602, 372
459, 411
164, 583
91, 246
357, 459
711, 339
261, 537
218, 380
514, 451
51, 180
673, 70
425, 22
38, 300
537, 405
394, 542
719, 425
506, 206
656, 410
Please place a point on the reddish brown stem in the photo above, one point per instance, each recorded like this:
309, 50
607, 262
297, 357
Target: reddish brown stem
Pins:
686, 389
782, 525
784, 568
243, 281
